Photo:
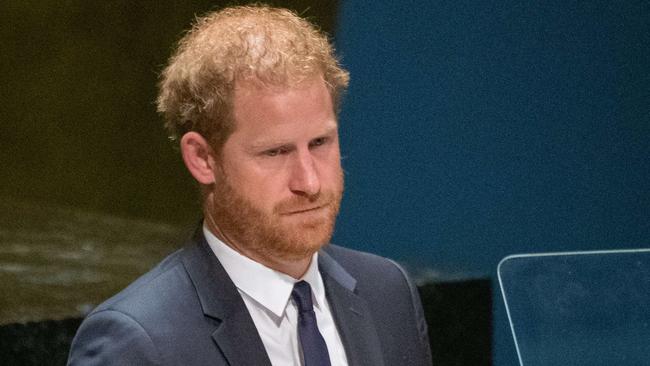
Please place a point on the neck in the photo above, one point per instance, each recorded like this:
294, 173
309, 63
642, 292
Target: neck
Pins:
295, 268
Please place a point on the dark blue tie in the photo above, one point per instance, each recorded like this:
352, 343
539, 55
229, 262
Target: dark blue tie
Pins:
313, 345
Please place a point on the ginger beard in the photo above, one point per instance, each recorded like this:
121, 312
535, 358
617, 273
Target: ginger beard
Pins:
273, 236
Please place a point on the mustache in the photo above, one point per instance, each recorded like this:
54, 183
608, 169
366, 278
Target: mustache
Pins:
301, 203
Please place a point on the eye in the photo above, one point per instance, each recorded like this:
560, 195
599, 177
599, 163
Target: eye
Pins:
273, 152
276, 151
318, 142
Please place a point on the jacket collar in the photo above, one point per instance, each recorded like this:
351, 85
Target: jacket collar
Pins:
235, 333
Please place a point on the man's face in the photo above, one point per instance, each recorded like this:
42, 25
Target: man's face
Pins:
279, 180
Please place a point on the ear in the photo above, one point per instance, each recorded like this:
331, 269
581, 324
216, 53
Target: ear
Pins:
197, 156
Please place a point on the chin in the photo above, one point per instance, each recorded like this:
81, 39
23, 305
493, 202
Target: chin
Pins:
308, 242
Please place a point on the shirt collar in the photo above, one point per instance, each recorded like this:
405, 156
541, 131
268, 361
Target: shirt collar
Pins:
270, 288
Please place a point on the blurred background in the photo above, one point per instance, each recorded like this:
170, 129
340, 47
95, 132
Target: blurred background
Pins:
471, 131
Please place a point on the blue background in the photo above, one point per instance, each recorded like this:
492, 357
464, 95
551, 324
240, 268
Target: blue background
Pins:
474, 130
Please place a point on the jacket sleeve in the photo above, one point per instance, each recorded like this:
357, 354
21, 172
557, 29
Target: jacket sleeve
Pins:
110, 337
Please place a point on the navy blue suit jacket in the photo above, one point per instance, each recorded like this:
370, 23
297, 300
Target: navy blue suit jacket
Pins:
187, 311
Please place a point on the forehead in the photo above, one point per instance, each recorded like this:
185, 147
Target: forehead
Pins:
309, 101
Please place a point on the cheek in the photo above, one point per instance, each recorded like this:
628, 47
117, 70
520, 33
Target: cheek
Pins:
328, 157
265, 191
248, 185
331, 174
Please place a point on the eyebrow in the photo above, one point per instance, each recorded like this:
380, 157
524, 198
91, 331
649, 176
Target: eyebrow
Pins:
264, 144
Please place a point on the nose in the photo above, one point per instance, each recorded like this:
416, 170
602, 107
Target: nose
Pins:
304, 175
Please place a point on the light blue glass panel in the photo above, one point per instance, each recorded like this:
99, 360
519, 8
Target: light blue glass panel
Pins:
581, 308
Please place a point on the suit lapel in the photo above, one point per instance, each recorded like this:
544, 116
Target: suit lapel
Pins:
239, 340
235, 333
351, 314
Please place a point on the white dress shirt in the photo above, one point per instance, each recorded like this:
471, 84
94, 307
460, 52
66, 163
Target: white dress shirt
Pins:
267, 295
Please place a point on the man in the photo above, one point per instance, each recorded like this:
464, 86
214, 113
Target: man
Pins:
251, 95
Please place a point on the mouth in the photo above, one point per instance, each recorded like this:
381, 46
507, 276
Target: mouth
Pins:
305, 210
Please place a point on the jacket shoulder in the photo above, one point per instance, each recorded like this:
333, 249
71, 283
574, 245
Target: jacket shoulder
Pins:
153, 321
152, 288
391, 296
363, 265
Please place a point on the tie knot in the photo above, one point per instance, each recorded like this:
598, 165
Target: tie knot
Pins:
301, 294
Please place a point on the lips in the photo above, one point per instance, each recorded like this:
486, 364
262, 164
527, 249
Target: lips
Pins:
304, 210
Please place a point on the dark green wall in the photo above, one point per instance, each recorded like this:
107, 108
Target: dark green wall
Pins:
79, 126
